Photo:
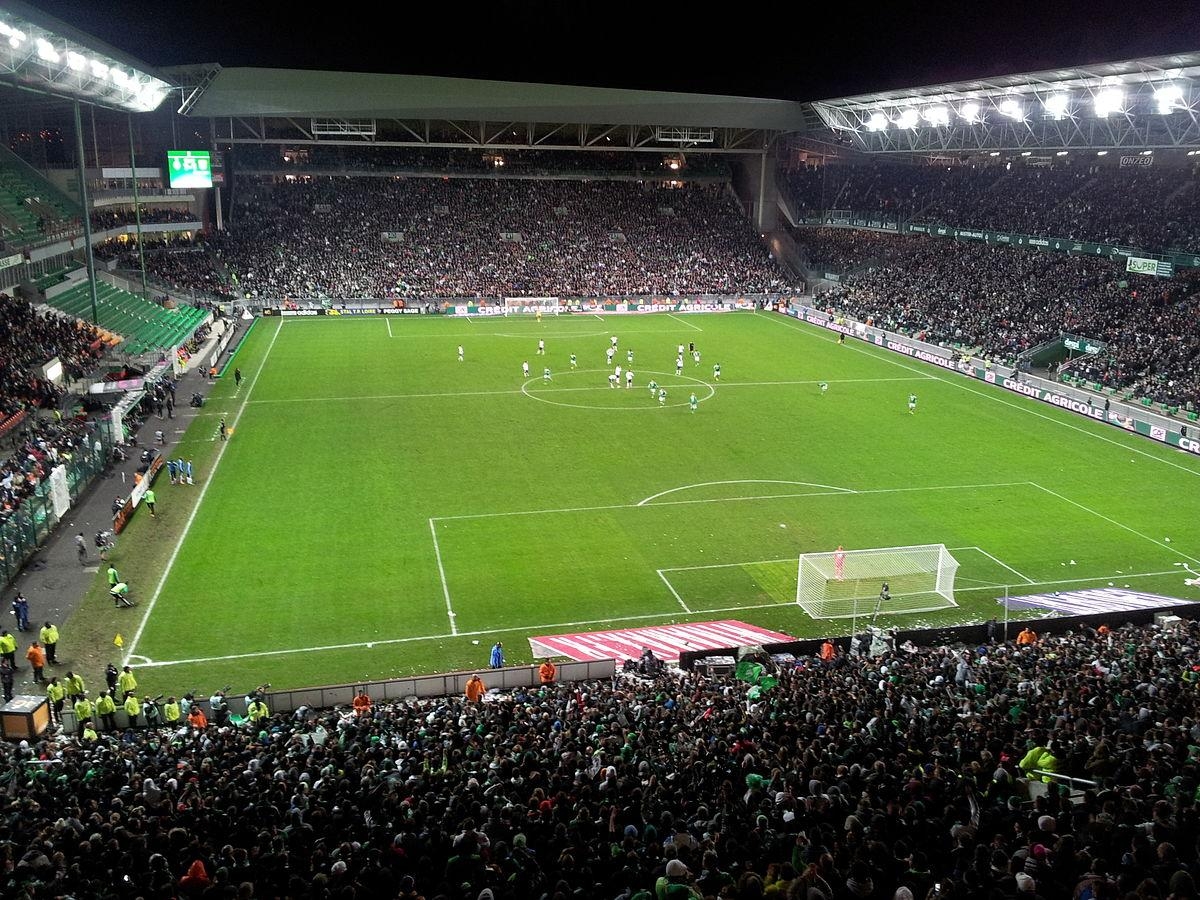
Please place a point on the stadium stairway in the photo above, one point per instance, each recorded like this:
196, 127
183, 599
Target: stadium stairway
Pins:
141, 325
26, 198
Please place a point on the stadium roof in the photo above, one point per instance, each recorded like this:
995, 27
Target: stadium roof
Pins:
298, 93
1180, 65
1132, 104
41, 53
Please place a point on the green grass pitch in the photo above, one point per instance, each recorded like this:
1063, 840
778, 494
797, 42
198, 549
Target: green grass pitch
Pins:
380, 507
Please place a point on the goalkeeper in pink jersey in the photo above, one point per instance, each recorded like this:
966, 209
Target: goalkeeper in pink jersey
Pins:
839, 563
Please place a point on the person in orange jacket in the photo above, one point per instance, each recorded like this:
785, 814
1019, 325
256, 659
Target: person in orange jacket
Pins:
828, 651
37, 661
196, 717
1027, 636
362, 704
547, 672
475, 689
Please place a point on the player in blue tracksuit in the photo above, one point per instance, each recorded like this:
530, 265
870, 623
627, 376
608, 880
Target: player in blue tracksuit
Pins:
497, 660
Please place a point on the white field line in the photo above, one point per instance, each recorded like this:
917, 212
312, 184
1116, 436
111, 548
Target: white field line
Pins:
688, 487
601, 318
441, 571
836, 492
533, 628
388, 319
671, 588
1101, 515
1001, 562
212, 473
684, 322
596, 388
993, 395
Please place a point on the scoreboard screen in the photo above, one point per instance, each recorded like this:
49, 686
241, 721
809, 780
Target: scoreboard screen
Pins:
189, 168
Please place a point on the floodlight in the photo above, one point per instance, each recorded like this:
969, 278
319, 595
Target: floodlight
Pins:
1056, 105
1102, 153
994, 153
1147, 153
1027, 153
1168, 97
118, 77
46, 51
909, 119
1061, 153
1012, 108
936, 115
16, 38
877, 122
99, 69
76, 61
969, 111
1108, 101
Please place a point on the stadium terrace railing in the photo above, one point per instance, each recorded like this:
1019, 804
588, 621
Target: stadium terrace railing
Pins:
1168, 261
1132, 417
29, 525
417, 686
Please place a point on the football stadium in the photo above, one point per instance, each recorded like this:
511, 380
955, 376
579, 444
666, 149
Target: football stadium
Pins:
426, 486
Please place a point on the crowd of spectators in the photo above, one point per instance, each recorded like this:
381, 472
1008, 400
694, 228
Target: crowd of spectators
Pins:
1003, 300
1147, 207
113, 217
902, 776
45, 443
176, 261
29, 339
429, 238
248, 157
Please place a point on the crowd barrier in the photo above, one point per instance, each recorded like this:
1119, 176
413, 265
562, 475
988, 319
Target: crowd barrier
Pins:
421, 686
975, 635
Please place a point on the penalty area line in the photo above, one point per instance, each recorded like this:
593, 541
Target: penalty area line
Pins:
671, 588
1101, 515
684, 322
535, 628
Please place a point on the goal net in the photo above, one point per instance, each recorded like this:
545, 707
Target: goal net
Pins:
531, 306
842, 584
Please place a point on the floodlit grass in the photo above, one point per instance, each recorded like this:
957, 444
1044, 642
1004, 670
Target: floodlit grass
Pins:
366, 461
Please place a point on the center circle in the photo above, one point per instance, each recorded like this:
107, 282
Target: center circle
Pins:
541, 397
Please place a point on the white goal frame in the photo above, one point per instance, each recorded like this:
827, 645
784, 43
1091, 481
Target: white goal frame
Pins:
531, 306
920, 579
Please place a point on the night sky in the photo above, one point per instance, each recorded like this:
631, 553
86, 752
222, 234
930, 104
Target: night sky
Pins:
749, 49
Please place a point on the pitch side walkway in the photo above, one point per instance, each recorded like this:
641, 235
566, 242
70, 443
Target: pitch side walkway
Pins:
53, 581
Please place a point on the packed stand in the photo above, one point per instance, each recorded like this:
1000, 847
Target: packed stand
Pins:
111, 217
1152, 208
841, 250
45, 444
903, 776
454, 238
28, 340
177, 261
475, 161
1004, 300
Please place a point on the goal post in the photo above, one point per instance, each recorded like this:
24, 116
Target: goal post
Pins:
531, 306
919, 578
